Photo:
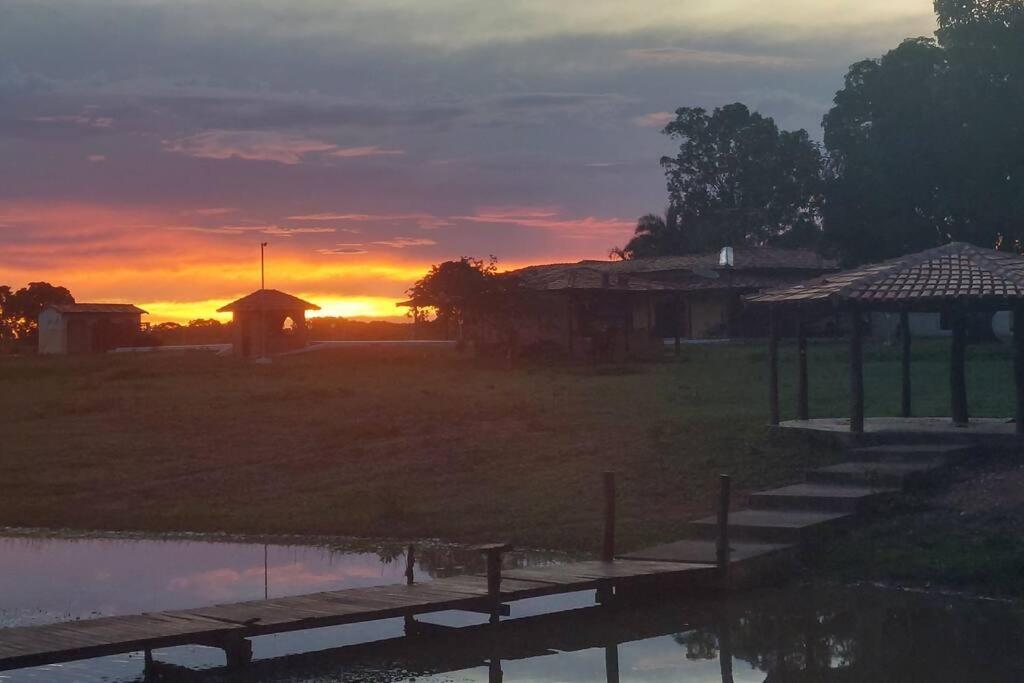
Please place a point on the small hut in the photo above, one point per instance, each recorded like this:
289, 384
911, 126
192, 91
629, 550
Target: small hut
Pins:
956, 279
88, 328
268, 321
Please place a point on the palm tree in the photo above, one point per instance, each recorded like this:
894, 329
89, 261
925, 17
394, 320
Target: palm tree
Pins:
654, 236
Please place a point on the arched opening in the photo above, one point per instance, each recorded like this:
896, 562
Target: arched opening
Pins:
288, 326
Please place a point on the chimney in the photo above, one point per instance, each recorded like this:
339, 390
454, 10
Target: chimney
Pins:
725, 257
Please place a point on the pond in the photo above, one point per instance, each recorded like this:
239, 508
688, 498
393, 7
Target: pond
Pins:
795, 633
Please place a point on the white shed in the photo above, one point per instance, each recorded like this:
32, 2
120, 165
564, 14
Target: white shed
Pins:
88, 328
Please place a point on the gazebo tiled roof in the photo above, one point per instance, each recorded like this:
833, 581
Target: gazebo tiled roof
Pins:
268, 300
953, 271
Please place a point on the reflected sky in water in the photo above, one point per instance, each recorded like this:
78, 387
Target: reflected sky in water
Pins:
794, 634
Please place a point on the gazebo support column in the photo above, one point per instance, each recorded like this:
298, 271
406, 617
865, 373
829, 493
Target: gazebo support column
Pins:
1018, 365
802, 409
856, 372
957, 374
773, 365
905, 400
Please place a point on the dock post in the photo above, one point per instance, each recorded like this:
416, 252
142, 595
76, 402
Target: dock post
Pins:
238, 652
611, 663
410, 563
722, 549
493, 553
608, 547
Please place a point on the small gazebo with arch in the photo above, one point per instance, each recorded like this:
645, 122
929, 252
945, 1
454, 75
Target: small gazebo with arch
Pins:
268, 321
954, 279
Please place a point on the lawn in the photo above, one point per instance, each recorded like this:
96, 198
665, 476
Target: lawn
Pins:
412, 443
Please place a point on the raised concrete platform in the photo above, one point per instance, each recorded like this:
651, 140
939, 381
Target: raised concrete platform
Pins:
704, 552
930, 453
878, 474
825, 497
773, 526
990, 434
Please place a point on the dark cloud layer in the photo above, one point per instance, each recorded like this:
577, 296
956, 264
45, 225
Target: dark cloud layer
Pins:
432, 129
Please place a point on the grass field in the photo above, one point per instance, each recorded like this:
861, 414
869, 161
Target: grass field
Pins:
405, 443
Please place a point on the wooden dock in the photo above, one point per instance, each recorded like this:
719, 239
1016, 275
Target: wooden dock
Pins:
229, 626
735, 548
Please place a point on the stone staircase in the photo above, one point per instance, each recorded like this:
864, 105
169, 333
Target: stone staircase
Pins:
786, 519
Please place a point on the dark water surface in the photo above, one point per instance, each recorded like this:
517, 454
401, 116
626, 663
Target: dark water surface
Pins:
795, 634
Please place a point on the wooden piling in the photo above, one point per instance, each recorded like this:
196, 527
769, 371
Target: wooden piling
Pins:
722, 549
410, 564
608, 547
493, 553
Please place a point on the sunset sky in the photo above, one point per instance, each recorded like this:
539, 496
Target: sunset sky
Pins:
147, 147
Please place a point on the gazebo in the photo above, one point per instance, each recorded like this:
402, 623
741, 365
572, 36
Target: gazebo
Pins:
268, 321
954, 279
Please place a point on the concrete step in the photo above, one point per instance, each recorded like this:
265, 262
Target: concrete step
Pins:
925, 452
772, 526
705, 551
823, 497
878, 474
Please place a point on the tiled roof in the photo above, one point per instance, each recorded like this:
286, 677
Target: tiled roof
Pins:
96, 308
268, 300
753, 268
952, 271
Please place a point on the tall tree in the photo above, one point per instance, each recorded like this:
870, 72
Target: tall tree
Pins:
454, 289
21, 308
739, 180
926, 143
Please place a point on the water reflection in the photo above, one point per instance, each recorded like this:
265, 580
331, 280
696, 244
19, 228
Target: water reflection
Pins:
794, 635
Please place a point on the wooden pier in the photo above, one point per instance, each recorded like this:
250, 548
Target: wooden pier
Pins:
229, 626
732, 549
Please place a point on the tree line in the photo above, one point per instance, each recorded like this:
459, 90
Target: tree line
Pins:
922, 146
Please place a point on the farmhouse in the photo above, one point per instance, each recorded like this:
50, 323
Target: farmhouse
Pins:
268, 321
88, 328
612, 308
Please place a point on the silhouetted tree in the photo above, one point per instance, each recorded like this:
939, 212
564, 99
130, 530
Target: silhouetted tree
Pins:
20, 309
654, 236
926, 143
453, 289
739, 180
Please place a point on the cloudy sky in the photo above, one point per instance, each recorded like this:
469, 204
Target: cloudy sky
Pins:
147, 147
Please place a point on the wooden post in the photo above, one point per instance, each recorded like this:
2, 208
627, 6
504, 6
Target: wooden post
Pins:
722, 549
856, 372
1018, 365
677, 323
905, 401
569, 311
802, 402
493, 553
410, 564
611, 663
773, 366
494, 672
957, 376
608, 546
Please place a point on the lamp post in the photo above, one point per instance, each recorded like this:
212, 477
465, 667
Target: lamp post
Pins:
263, 303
